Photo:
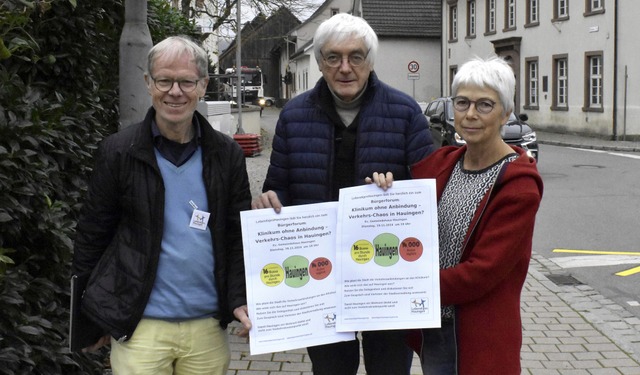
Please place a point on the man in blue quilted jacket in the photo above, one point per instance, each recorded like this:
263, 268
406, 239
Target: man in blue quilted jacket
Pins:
347, 127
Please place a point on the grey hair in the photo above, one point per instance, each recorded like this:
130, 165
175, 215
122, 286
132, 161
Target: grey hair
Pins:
176, 46
493, 72
341, 27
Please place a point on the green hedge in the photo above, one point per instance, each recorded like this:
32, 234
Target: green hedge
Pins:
58, 100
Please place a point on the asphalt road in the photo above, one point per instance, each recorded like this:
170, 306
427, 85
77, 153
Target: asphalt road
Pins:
588, 222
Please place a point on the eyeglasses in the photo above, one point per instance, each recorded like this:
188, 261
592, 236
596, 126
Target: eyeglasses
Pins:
165, 84
462, 104
334, 60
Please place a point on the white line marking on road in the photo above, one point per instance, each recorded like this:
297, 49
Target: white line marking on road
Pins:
631, 156
588, 150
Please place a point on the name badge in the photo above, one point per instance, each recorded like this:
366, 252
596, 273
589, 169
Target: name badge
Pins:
199, 219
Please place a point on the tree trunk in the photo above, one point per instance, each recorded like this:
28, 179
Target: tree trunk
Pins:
184, 8
135, 43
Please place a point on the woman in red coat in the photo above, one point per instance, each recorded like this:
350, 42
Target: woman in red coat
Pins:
488, 196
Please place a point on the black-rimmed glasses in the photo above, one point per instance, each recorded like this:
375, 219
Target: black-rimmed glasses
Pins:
462, 104
165, 84
334, 60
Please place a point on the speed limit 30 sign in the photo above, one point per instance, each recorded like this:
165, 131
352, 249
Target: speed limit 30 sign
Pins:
413, 66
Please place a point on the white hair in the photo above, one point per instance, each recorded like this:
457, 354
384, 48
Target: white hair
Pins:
493, 72
341, 27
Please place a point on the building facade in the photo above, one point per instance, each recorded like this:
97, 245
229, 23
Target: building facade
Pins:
575, 62
409, 46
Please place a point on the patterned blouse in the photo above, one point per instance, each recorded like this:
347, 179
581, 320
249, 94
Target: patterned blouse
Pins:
462, 195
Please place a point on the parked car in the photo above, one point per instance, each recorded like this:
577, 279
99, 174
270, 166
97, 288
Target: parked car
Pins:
516, 132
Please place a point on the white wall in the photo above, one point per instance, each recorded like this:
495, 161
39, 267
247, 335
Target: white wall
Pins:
394, 56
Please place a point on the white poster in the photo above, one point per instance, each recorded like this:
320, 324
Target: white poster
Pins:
290, 272
387, 258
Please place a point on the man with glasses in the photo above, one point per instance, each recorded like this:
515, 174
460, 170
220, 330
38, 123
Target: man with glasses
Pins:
160, 230
334, 136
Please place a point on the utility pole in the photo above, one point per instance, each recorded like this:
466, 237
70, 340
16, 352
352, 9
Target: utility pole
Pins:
240, 130
135, 43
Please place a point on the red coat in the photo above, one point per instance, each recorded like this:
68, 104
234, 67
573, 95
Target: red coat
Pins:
485, 286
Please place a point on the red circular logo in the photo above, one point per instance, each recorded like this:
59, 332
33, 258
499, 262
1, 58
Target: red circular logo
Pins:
411, 249
320, 268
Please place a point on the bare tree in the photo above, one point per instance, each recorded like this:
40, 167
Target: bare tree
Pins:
222, 12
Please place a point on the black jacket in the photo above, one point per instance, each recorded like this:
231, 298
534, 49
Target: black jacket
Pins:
120, 229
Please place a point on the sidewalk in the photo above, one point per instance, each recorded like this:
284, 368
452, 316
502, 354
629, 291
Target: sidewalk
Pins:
567, 329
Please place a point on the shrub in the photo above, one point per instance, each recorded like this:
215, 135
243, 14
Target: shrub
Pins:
58, 100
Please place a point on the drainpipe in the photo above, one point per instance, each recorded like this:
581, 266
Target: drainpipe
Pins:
444, 45
615, 71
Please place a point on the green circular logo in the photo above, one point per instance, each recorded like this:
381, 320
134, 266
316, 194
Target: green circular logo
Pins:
296, 271
386, 249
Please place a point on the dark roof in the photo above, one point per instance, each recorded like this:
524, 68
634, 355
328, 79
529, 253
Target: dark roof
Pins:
404, 18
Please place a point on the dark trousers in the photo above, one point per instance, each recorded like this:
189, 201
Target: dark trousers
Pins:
385, 353
439, 352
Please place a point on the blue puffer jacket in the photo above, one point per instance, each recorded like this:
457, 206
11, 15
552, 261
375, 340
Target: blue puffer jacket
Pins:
392, 134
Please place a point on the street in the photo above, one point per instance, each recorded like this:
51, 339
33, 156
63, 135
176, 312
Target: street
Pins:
589, 215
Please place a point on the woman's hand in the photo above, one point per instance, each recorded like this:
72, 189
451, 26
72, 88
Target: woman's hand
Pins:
381, 180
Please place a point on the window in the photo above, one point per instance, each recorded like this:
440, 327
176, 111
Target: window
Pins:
453, 69
436, 108
510, 15
560, 82
471, 19
560, 10
453, 23
532, 13
593, 7
491, 17
532, 83
593, 81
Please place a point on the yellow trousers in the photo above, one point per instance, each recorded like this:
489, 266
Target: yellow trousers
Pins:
159, 347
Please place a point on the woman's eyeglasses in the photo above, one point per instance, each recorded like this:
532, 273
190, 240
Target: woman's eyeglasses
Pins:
462, 104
